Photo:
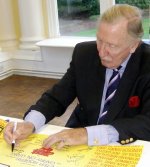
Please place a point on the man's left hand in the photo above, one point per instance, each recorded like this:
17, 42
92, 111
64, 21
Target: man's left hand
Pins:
69, 137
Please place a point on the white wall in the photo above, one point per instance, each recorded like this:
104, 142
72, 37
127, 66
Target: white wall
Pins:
51, 60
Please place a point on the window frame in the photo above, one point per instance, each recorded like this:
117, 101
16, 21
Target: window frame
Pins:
53, 19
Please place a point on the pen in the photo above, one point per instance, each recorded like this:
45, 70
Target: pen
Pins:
13, 142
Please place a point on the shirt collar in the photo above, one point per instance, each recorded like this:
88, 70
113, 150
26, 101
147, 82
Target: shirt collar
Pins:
123, 65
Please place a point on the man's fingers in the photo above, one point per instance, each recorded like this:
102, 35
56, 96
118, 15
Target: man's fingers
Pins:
67, 137
51, 140
8, 139
23, 130
61, 144
8, 132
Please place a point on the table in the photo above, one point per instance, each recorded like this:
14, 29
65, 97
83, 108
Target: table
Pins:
51, 129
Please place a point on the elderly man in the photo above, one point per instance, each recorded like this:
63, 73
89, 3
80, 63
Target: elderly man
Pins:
111, 80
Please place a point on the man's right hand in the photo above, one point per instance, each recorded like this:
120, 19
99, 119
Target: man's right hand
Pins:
23, 130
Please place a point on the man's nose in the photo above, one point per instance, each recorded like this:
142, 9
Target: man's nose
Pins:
103, 49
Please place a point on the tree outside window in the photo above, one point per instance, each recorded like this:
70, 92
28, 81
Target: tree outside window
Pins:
79, 17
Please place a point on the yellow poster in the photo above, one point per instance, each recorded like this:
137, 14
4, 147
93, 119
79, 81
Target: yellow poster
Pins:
31, 154
2, 126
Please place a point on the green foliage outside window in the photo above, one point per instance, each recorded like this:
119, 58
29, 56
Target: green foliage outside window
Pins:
142, 4
90, 9
73, 8
92, 6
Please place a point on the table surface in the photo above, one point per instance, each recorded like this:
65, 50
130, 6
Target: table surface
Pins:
52, 129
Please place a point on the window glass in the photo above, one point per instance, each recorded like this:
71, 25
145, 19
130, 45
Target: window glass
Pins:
78, 17
144, 5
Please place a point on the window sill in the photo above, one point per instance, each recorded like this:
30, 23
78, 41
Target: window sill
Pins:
64, 41
68, 41
146, 41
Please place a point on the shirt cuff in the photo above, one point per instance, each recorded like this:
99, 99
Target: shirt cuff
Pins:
101, 135
35, 117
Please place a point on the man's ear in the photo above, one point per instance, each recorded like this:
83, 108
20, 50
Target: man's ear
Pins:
134, 46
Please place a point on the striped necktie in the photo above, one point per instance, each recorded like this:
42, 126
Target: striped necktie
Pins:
111, 89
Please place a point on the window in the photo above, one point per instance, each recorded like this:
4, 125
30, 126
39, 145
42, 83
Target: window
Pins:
78, 17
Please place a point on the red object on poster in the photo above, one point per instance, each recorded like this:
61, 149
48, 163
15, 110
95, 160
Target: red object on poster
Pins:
43, 151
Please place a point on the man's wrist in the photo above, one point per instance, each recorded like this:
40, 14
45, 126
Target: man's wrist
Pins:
32, 126
32, 118
101, 135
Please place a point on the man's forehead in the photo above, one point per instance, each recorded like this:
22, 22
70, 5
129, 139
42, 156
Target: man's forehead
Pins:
120, 22
119, 28
113, 33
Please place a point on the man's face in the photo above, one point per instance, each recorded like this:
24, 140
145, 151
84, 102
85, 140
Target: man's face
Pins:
113, 43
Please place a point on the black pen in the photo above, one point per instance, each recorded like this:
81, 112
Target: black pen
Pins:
13, 142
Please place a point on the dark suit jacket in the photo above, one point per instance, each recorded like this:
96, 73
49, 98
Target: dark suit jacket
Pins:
129, 112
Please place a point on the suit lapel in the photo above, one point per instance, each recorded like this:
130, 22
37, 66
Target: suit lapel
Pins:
97, 78
126, 84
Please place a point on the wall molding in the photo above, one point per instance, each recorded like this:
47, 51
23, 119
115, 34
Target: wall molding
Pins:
6, 74
24, 72
36, 73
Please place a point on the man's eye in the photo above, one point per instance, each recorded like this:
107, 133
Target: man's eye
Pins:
112, 46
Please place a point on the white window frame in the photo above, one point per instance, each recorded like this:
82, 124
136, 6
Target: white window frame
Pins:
53, 20
55, 39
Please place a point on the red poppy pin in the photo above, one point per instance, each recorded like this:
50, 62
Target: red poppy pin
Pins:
134, 101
